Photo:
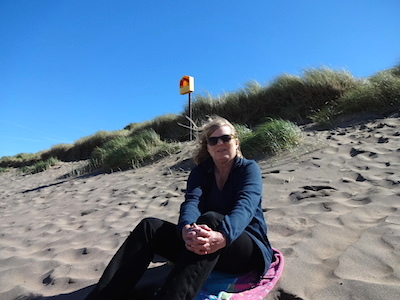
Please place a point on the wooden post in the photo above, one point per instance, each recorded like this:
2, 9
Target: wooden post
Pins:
190, 119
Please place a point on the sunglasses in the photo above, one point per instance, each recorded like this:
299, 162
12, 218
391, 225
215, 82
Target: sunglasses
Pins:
212, 141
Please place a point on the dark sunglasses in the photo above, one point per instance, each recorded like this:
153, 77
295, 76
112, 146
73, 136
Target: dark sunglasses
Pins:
212, 141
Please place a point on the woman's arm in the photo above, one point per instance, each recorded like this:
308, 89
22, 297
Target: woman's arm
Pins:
189, 210
248, 198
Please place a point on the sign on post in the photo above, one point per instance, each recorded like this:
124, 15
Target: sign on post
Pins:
186, 86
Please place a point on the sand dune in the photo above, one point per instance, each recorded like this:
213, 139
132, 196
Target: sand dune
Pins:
333, 209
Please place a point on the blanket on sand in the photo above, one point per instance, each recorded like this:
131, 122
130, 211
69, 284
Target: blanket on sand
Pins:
222, 286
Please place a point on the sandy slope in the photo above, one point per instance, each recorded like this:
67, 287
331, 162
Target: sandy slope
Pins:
334, 212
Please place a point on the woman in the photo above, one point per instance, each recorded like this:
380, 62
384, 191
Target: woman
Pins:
221, 225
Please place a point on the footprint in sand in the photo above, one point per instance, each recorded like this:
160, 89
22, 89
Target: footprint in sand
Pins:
312, 191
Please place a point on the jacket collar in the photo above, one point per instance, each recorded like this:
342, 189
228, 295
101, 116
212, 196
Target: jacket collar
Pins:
208, 165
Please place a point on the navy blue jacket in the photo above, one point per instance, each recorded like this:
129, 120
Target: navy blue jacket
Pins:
239, 202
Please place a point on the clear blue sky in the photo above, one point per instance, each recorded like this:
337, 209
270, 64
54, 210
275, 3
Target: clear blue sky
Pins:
69, 68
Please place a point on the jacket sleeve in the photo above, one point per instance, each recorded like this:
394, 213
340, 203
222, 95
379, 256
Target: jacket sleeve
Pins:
189, 211
248, 198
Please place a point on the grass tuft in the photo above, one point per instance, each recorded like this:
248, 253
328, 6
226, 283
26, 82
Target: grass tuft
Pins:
4, 170
271, 138
40, 166
131, 152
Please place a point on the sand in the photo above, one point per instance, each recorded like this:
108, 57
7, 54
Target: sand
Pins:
332, 207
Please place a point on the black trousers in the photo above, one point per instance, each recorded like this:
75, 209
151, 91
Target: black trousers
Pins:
154, 236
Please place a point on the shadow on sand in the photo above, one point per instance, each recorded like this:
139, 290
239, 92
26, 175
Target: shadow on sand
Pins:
77, 295
150, 282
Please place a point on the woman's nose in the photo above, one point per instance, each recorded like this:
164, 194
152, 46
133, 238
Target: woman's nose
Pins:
220, 141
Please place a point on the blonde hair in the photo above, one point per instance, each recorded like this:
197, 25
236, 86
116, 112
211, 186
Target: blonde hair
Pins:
204, 132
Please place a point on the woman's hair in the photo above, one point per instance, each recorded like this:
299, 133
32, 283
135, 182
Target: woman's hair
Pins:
205, 131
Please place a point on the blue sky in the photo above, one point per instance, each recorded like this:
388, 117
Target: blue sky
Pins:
70, 68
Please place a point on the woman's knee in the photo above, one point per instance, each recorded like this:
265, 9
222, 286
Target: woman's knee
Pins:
155, 228
149, 224
149, 221
210, 218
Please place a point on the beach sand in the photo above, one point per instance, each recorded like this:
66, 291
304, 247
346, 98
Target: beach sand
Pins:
332, 207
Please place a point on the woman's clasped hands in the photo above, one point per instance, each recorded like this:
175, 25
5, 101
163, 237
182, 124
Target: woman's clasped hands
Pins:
201, 239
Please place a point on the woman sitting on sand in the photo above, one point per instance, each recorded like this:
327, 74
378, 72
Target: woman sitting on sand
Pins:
221, 225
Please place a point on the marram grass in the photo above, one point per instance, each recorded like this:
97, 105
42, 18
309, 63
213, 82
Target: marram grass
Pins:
270, 138
319, 95
131, 152
40, 166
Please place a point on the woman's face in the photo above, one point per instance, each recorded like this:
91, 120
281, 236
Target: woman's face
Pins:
223, 152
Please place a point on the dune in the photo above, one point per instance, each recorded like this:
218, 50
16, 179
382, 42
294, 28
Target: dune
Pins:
332, 207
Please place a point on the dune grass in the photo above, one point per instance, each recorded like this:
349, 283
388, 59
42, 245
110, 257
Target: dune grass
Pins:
272, 137
39, 166
131, 151
265, 115
375, 93
19, 160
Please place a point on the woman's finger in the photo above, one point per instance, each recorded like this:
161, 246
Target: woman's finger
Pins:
201, 232
204, 227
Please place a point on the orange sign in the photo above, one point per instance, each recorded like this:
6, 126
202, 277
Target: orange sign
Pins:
186, 85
